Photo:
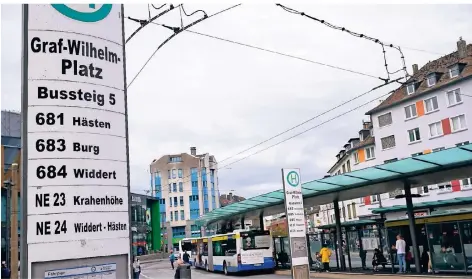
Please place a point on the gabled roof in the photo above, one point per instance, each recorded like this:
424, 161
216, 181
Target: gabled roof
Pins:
440, 65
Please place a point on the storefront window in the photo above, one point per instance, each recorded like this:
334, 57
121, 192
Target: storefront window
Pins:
445, 246
466, 229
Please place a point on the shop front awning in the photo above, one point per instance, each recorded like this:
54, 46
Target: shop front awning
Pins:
432, 168
425, 205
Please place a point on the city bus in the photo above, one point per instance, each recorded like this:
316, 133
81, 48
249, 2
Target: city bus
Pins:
239, 251
197, 248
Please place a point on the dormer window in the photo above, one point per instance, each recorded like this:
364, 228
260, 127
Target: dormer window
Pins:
431, 79
410, 88
454, 71
361, 136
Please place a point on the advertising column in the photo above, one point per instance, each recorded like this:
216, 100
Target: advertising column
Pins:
75, 143
295, 214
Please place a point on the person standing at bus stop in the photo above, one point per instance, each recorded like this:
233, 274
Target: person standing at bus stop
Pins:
400, 246
325, 254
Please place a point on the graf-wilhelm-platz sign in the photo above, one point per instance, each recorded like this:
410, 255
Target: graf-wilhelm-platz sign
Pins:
75, 155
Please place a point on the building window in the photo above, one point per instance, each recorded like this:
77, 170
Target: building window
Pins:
431, 79
171, 216
175, 159
385, 119
410, 111
454, 71
348, 165
388, 142
176, 215
435, 129
431, 104
414, 135
374, 198
170, 203
444, 188
170, 187
410, 88
180, 173
438, 149
181, 186
454, 97
416, 154
344, 168
369, 153
168, 174
182, 215
174, 174
344, 212
349, 212
174, 187
181, 201
391, 160
354, 212
458, 123
356, 158
175, 201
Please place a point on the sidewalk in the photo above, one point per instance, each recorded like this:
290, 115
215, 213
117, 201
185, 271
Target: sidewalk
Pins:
347, 275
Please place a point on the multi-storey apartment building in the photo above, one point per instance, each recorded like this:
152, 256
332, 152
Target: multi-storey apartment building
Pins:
187, 187
357, 153
432, 111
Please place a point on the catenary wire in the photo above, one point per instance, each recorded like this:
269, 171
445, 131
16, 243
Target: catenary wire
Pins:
358, 35
274, 52
173, 35
296, 135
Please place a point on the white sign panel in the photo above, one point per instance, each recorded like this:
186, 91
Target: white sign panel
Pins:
295, 215
252, 257
58, 199
77, 226
75, 136
103, 271
294, 203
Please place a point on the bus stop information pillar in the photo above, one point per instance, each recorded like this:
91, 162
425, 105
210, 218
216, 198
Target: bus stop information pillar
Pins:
295, 215
75, 155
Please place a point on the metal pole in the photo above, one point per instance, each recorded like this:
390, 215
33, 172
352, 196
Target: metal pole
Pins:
348, 251
261, 221
8, 222
411, 223
24, 146
339, 235
14, 222
242, 223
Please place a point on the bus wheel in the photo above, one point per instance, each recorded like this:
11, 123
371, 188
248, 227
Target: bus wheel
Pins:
225, 269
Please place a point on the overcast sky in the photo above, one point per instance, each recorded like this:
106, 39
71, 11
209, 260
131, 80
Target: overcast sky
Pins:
223, 98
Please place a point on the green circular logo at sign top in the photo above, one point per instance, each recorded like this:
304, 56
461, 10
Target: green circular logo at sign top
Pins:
293, 179
93, 16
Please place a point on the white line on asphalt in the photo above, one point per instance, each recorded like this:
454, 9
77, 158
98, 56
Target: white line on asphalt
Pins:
145, 276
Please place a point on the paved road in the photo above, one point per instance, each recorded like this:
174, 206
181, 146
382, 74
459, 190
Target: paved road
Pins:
162, 270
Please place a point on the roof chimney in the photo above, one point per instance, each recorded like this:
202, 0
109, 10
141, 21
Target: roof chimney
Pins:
193, 151
415, 68
461, 48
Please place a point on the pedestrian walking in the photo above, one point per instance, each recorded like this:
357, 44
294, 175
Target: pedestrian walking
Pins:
136, 268
400, 246
172, 258
325, 254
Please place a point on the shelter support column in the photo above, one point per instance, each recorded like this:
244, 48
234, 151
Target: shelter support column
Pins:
339, 234
242, 223
411, 223
261, 221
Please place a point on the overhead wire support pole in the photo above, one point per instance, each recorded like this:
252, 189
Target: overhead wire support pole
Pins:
290, 10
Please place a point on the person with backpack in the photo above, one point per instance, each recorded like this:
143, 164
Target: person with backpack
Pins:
186, 257
5, 271
325, 254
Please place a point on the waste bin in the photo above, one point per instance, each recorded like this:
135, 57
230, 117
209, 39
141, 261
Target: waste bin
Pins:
183, 272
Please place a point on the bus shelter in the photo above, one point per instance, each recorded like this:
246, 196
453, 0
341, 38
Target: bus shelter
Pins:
433, 168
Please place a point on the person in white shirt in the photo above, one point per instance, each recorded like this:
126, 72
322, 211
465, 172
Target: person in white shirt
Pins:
400, 246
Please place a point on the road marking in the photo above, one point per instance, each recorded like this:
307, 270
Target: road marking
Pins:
145, 276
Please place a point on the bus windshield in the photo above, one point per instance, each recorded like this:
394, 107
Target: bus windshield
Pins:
186, 245
256, 240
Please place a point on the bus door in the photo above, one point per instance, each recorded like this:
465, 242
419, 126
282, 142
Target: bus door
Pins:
210, 255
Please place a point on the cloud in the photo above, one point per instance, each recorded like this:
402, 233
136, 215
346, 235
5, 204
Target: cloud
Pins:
223, 97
